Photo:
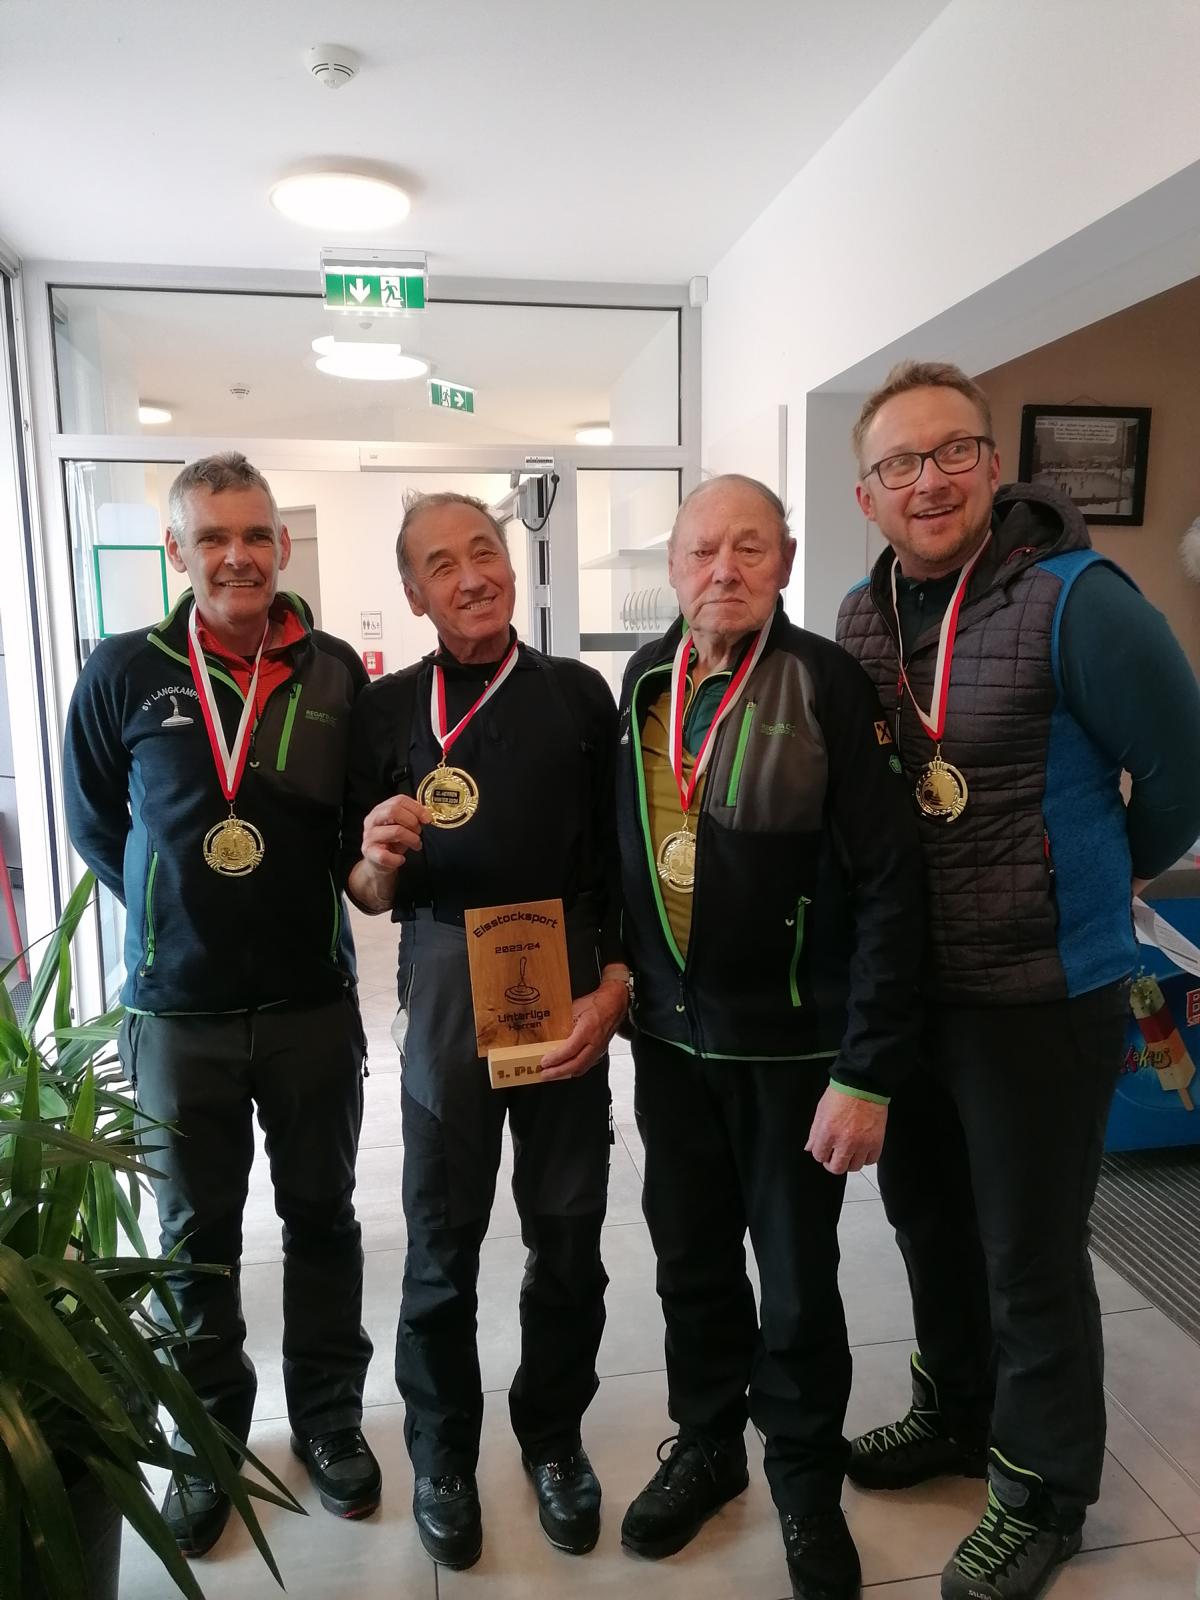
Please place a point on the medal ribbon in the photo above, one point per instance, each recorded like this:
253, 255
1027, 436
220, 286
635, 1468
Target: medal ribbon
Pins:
231, 764
934, 720
437, 701
687, 787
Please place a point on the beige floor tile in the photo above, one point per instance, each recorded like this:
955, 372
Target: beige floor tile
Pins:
378, 1010
320, 1557
1162, 1570
624, 1193
737, 1556
1153, 1469
620, 1085
1115, 1293
383, 1058
633, 1334
381, 1109
915, 1589
633, 1143
1151, 1367
873, 1280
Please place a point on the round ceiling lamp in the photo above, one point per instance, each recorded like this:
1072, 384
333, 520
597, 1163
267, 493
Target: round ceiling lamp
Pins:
152, 416
340, 201
594, 433
377, 363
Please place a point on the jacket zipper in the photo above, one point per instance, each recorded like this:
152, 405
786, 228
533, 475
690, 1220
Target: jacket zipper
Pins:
797, 946
337, 917
150, 942
285, 738
739, 755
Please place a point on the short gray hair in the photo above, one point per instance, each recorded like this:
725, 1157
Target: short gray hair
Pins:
415, 503
740, 481
229, 470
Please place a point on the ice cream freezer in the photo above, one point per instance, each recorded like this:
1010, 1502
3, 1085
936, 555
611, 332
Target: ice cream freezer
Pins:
1157, 1100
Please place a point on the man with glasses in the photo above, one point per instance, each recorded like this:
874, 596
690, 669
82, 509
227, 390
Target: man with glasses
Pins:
1021, 674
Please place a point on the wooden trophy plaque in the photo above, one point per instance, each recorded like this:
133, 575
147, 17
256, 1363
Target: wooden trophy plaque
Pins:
520, 986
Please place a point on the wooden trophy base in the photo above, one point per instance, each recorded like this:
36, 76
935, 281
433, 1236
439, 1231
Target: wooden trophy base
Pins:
512, 1065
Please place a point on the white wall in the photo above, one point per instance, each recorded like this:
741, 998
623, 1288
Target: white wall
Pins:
1060, 112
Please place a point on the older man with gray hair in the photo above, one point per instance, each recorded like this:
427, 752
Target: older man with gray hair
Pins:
481, 775
204, 766
772, 920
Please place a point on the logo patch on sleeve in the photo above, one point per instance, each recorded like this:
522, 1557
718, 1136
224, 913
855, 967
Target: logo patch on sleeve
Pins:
883, 734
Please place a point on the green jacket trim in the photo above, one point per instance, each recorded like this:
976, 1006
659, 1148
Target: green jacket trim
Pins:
285, 738
643, 808
860, 1094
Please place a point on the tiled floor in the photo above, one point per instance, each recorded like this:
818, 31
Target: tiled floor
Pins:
1141, 1540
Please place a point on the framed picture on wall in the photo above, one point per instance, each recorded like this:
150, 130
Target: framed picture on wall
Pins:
1096, 455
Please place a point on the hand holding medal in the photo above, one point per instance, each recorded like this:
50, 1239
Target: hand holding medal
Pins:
233, 847
941, 791
393, 830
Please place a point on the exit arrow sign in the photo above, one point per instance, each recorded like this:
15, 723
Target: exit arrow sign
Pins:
350, 290
451, 396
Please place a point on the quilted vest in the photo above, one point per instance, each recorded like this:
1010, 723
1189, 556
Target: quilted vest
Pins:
1002, 929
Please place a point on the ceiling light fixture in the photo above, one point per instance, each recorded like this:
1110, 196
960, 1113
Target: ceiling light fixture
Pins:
594, 433
379, 363
340, 201
152, 416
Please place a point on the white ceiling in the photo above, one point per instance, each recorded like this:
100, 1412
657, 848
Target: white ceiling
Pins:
626, 140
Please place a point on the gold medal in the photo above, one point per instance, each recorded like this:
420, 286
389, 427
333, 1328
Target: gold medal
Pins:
941, 791
676, 860
233, 847
451, 794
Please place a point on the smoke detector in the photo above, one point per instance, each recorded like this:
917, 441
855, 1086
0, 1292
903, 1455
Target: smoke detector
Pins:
239, 391
332, 64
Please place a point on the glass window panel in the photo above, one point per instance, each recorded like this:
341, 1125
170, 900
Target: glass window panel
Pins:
243, 366
624, 596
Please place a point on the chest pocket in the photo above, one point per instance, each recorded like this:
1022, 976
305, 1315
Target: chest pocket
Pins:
302, 743
770, 772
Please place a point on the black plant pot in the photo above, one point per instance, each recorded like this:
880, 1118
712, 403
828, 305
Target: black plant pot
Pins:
99, 1524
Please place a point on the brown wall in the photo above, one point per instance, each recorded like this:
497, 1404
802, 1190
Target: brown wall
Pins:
1147, 355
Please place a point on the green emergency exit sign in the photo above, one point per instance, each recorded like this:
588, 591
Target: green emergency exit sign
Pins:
373, 291
453, 396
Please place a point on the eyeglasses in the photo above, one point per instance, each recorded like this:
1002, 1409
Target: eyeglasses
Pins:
956, 455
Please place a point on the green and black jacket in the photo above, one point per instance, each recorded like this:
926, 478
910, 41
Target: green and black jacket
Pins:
142, 791
807, 920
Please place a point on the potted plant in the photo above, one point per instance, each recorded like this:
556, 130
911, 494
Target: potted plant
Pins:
84, 1369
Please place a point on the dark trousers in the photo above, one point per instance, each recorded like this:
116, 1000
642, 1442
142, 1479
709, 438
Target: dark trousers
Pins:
988, 1174
725, 1153
204, 1076
453, 1123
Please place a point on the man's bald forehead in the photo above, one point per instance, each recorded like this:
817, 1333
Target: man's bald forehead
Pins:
737, 482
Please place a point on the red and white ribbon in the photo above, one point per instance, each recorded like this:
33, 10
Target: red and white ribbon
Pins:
231, 763
683, 655
437, 700
934, 720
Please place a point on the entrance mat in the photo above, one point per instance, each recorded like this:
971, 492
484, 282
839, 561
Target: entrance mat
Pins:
1146, 1225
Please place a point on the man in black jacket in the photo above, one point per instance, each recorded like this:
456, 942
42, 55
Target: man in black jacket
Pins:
772, 895
204, 767
513, 752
